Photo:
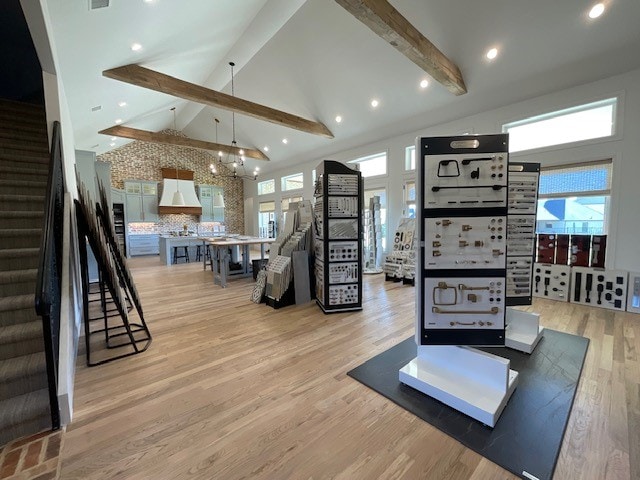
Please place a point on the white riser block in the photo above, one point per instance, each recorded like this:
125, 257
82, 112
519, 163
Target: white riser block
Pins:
473, 382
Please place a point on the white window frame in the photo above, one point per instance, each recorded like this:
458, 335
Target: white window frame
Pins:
588, 193
616, 100
409, 158
265, 182
284, 179
367, 158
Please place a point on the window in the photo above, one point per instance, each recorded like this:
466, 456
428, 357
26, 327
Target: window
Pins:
266, 219
372, 165
584, 122
409, 190
368, 195
268, 186
574, 199
292, 182
410, 158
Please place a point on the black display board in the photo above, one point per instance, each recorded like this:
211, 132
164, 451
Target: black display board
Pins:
461, 195
338, 235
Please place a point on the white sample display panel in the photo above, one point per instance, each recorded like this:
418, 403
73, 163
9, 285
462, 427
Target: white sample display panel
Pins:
467, 303
598, 287
523, 192
465, 242
521, 230
552, 281
633, 296
343, 251
519, 271
343, 272
475, 180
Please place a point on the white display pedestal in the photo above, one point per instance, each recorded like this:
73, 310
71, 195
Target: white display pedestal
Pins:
473, 382
523, 330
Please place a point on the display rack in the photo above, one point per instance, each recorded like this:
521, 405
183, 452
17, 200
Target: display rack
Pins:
461, 274
400, 263
115, 288
338, 232
521, 231
373, 237
462, 229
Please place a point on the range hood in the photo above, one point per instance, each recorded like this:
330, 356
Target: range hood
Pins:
174, 182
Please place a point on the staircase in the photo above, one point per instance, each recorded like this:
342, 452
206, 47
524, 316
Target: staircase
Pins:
24, 164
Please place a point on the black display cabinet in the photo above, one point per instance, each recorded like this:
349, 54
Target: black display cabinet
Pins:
339, 197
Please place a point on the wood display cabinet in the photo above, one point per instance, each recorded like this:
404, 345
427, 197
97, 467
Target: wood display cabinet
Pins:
142, 200
339, 196
206, 195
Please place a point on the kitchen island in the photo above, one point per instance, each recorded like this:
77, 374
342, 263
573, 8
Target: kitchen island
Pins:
221, 250
167, 242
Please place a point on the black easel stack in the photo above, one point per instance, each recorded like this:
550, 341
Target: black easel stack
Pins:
114, 290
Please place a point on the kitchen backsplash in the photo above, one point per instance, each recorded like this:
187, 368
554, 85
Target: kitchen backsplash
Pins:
175, 223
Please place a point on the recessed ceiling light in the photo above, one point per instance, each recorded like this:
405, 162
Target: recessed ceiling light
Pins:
113, 139
596, 10
122, 104
266, 149
492, 53
285, 141
338, 119
424, 83
257, 169
375, 103
136, 46
148, 1
241, 152
112, 144
118, 120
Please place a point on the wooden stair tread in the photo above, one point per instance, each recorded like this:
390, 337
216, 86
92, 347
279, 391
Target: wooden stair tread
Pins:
12, 369
17, 302
11, 276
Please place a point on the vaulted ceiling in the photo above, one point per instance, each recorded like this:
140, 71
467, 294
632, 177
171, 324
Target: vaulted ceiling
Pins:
314, 59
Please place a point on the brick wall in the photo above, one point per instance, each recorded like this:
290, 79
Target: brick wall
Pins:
143, 161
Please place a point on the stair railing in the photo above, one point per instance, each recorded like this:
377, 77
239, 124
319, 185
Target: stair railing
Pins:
48, 287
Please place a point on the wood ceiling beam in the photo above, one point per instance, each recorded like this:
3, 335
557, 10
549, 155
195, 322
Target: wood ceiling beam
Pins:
154, 137
381, 17
146, 78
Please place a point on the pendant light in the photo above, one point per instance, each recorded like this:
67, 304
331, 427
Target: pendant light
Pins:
232, 161
178, 198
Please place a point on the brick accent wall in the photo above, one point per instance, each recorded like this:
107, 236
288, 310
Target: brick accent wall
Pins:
143, 161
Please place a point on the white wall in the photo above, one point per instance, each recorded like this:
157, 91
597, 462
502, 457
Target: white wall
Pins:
624, 148
39, 22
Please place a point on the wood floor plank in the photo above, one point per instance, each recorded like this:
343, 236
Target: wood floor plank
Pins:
233, 390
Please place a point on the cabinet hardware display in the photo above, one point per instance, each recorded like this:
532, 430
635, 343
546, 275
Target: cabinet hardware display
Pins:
446, 163
338, 242
468, 161
599, 287
438, 188
491, 311
463, 239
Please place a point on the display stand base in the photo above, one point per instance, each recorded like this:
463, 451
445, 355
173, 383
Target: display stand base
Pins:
473, 382
523, 330
289, 298
372, 271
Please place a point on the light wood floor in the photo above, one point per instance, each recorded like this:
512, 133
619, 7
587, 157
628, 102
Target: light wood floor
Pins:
234, 390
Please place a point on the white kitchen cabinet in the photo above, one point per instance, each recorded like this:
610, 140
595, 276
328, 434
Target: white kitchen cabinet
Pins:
142, 200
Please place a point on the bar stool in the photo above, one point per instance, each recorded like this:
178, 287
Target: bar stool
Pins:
198, 253
176, 256
207, 257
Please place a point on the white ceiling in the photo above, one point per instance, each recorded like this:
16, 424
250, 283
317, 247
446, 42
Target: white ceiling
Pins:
313, 59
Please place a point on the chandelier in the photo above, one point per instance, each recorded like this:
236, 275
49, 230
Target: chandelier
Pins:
232, 162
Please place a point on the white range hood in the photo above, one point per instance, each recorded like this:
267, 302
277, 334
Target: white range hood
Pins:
171, 186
